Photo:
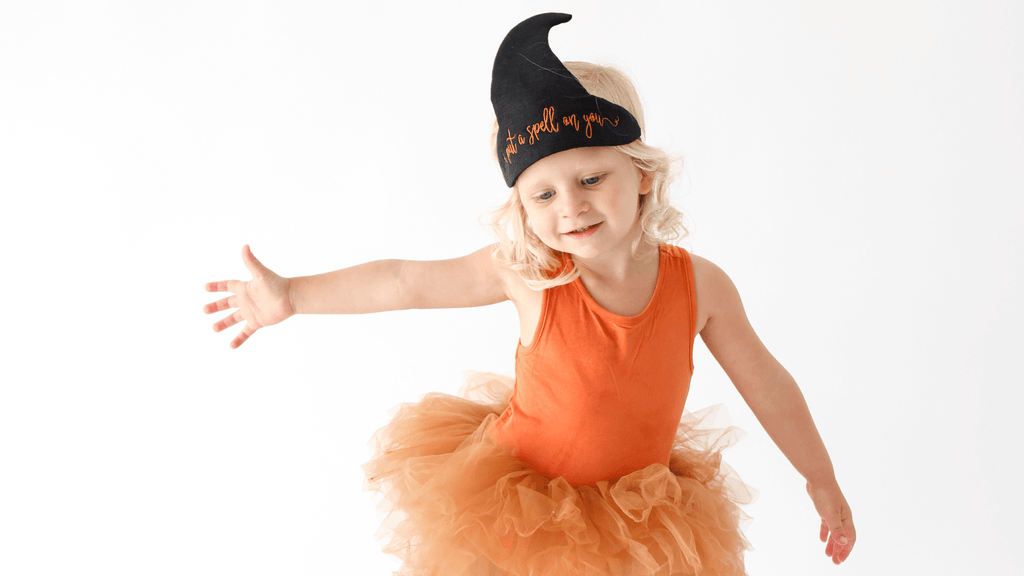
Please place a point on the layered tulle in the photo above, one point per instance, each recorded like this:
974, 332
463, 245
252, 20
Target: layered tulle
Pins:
457, 504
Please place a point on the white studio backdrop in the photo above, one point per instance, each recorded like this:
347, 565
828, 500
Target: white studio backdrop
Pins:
856, 168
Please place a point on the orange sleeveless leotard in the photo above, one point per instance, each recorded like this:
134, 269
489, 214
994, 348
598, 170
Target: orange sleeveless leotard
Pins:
581, 466
598, 395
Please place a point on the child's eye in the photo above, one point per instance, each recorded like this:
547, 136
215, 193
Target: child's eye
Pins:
546, 195
592, 180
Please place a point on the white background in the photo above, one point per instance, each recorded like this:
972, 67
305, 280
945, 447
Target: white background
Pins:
857, 168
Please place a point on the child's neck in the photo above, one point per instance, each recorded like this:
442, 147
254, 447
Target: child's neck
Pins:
622, 286
619, 267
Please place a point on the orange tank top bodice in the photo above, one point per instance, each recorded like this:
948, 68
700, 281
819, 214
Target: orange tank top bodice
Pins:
598, 395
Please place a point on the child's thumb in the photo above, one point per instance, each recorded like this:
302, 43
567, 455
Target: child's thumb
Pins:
255, 266
837, 528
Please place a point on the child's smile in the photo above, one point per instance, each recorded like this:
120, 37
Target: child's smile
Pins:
583, 232
584, 201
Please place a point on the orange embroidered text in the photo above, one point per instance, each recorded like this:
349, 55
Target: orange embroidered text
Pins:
547, 124
510, 148
600, 120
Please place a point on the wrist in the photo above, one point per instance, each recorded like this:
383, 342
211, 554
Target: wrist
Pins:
820, 479
294, 301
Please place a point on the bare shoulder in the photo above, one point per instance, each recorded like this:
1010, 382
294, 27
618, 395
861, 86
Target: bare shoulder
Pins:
513, 284
501, 273
492, 271
497, 273
716, 293
707, 272
528, 302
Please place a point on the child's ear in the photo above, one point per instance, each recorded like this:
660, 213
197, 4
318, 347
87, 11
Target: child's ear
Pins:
646, 182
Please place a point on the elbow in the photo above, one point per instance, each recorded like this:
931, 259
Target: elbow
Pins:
403, 293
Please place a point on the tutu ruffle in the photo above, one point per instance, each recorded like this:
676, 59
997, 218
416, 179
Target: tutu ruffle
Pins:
458, 504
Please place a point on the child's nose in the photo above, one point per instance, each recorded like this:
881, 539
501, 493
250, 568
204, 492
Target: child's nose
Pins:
575, 203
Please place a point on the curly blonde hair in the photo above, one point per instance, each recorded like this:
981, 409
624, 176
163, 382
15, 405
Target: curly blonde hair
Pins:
539, 266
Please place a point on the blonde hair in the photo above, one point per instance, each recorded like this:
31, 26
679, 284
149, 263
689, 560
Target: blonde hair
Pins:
539, 266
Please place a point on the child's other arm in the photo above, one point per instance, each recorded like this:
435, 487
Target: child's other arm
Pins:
472, 280
776, 400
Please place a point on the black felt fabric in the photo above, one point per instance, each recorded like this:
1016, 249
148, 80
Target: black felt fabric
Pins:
542, 109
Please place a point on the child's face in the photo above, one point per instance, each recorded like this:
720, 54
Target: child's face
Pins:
596, 187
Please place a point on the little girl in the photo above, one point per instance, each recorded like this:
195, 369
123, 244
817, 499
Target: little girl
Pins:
585, 464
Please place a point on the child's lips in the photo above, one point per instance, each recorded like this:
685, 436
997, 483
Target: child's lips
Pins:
583, 230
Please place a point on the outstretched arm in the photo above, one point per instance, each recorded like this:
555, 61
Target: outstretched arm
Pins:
472, 280
776, 400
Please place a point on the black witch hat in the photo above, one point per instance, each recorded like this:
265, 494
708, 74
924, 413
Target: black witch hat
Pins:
542, 109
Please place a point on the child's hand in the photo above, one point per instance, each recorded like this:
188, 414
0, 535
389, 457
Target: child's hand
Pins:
262, 301
836, 519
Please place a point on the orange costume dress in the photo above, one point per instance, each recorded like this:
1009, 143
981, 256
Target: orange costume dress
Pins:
585, 466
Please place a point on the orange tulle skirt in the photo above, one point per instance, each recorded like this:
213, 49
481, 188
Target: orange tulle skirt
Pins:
458, 504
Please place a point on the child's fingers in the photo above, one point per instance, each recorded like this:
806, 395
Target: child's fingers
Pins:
840, 551
222, 286
850, 532
228, 322
242, 336
823, 533
222, 304
840, 541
